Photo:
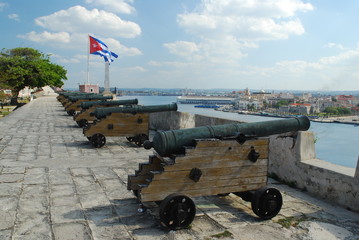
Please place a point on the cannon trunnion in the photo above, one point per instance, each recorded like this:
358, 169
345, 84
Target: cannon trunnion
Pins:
210, 160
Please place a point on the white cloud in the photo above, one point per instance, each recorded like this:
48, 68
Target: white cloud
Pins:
181, 48
60, 37
341, 58
79, 19
225, 29
255, 8
135, 69
78, 41
168, 64
2, 6
119, 6
117, 47
335, 45
246, 19
14, 16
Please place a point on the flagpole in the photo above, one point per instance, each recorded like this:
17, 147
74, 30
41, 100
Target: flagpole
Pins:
107, 79
88, 58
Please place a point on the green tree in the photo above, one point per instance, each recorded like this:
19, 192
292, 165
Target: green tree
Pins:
28, 67
282, 103
337, 110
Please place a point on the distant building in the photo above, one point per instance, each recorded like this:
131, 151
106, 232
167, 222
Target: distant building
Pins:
89, 88
247, 105
345, 99
300, 108
25, 93
355, 110
296, 108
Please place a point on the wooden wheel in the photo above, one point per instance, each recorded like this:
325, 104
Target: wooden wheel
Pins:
71, 112
140, 139
98, 140
82, 123
267, 202
177, 211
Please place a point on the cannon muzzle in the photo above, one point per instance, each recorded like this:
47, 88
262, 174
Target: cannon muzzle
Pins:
173, 141
134, 109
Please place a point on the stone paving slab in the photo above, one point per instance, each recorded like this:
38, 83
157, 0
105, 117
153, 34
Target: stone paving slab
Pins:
55, 185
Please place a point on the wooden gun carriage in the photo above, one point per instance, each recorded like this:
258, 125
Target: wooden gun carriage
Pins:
74, 102
210, 160
129, 121
63, 97
84, 116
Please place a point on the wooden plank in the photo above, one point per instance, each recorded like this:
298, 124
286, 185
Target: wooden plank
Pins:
147, 167
229, 146
187, 184
133, 181
216, 163
123, 124
238, 151
85, 115
215, 172
149, 197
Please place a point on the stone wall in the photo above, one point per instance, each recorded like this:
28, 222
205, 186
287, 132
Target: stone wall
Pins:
291, 158
177, 120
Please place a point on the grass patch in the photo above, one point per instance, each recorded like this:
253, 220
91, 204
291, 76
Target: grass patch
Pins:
224, 234
291, 221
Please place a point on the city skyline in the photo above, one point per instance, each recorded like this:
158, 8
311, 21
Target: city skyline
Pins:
287, 44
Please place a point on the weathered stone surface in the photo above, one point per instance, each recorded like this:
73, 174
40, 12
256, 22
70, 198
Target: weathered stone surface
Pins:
66, 214
5, 234
10, 189
73, 231
32, 226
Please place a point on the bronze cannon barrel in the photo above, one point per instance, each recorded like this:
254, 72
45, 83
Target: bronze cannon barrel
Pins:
173, 141
103, 112
67, 94
88, 97
87, 105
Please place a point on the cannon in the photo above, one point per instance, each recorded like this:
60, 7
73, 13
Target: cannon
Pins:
63, 97
129, 121
74, 101
210, 160
172, 142
83, 117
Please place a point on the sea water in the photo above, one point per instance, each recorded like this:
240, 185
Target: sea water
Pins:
336, 143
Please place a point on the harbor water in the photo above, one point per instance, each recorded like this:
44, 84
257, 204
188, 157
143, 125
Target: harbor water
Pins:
335, 143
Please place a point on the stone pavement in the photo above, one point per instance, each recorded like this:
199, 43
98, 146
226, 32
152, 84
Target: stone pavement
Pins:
55, 185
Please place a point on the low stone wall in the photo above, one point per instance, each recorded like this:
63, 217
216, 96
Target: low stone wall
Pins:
177, 120
291, 158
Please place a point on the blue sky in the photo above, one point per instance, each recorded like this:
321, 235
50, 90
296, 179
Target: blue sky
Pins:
259, 44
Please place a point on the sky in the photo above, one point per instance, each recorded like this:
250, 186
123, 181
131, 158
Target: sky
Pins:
194, 44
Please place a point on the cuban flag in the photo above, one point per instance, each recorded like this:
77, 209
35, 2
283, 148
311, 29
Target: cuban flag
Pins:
98, 47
